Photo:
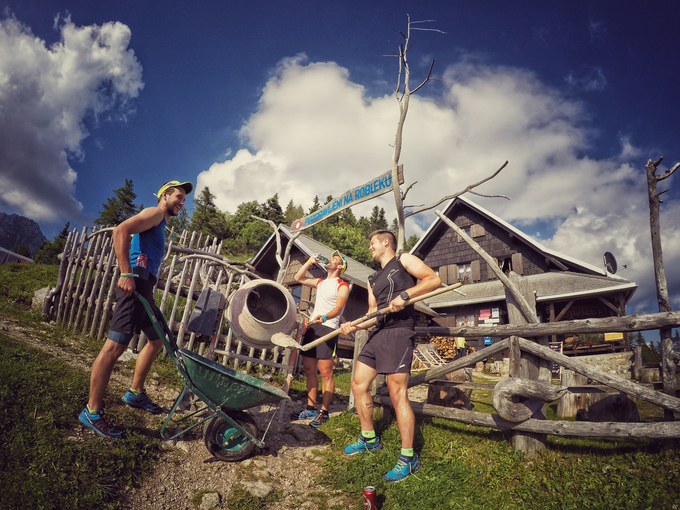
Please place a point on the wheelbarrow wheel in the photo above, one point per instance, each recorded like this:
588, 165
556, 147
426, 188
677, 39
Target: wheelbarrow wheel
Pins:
225, 442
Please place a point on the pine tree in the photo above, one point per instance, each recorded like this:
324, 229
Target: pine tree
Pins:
271, 210
316, 205
49, 251
293, 212
118, 208
649, 352
180, 222
22, 249
207, 218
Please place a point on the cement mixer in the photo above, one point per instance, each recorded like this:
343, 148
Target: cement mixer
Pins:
259, 310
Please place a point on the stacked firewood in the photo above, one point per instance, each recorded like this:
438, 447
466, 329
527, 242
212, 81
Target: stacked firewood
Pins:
446, 346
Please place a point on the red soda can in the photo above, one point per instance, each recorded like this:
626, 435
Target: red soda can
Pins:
370, 499
141, 260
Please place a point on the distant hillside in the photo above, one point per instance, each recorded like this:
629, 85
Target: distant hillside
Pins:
18, 230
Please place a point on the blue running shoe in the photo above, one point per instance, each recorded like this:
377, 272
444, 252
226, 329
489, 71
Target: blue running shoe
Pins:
307, 414
320, 419
403, 469
362, 445
141, 402
100, 423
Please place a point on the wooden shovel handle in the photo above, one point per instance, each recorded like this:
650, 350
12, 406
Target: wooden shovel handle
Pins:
383, 311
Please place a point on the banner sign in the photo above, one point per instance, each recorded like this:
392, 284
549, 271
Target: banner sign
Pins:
372, 189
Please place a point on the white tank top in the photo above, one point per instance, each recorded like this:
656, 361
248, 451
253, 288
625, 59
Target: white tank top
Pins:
326, 299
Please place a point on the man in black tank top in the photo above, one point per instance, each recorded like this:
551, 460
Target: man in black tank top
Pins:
389, 349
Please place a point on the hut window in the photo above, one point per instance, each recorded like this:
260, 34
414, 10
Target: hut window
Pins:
505, 263
465, 271
297, 294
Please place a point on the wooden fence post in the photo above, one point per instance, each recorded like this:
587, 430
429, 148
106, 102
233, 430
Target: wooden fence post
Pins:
528, 367
360, 339
569, 404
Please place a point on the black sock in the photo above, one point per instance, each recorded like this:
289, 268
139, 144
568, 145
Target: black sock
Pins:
311, 408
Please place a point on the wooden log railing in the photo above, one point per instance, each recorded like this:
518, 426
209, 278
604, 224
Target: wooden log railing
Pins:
660, 430
626, 324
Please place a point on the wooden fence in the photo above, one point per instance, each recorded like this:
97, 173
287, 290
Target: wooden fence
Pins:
83, 299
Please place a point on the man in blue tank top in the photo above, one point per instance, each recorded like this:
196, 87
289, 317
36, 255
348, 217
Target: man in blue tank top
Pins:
389, 349
139, 243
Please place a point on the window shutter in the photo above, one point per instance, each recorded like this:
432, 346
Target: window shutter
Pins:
453, 272
477, 231
490, 275
307, 295
443, 275
518, 263
476, 270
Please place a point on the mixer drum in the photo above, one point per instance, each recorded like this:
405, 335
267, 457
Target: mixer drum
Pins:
260, 309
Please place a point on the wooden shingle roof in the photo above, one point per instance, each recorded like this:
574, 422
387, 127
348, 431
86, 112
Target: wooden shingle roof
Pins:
549, 286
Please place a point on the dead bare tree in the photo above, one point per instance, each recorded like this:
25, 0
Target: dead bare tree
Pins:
667, 362
402, 94
283, 259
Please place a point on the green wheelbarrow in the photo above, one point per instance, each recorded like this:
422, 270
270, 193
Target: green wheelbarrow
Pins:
231, 434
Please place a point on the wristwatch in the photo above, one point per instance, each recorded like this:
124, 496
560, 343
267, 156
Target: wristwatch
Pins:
404, 295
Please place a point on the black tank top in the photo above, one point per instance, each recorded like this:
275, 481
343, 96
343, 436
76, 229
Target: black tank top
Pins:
386, 284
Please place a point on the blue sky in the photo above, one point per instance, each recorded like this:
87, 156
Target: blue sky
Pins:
252, 98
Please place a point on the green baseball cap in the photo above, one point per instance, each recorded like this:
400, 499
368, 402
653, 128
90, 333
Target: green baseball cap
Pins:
344, 260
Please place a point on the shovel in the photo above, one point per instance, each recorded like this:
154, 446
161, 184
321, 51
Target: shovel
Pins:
283, 340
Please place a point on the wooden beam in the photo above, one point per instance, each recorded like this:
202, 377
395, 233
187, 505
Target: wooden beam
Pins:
564, 310
660, 430
464, 362
618, 312
604, 325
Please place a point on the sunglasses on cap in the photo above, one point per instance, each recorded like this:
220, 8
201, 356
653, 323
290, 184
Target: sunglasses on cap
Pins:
344, 260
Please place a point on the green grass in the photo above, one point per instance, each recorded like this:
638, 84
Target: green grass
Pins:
473, 467
18, 282
45, 463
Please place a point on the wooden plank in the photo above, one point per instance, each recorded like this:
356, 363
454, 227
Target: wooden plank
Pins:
421, 357
464, 362
102, 270
76, 309
87, 288
436, 358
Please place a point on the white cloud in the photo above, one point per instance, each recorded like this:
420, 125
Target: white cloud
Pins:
45, 96
317, 133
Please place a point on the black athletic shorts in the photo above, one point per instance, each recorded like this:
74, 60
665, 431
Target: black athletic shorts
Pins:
325, 350
389, 351
129, 315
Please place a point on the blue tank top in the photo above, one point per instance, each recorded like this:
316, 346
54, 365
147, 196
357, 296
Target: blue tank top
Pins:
150, 243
